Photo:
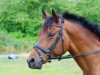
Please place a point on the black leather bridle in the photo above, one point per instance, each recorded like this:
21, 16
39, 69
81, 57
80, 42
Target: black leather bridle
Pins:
49, 52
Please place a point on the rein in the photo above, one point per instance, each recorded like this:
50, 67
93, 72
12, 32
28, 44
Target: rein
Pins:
53, 46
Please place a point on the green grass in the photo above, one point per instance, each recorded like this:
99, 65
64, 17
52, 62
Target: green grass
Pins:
19, 67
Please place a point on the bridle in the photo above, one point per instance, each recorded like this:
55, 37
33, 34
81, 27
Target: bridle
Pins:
53, 46
49, 52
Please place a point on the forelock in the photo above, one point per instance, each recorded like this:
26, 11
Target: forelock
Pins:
48, 23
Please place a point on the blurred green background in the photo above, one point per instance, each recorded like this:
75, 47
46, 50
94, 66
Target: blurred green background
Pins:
20, 22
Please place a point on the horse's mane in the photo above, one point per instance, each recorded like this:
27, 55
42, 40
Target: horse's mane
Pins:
93, 27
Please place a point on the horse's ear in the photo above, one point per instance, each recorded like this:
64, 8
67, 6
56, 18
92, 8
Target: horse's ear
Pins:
55, 16
45, 14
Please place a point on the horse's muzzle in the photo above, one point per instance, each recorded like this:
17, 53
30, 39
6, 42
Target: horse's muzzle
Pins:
35, 63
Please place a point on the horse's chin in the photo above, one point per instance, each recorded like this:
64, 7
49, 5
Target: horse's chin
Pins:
34, 66
38, 68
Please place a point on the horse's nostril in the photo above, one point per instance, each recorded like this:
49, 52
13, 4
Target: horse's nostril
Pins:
32, 60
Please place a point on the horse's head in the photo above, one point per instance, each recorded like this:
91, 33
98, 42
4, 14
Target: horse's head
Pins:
53, 41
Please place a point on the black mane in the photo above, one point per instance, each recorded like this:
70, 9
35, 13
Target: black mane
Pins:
93, 27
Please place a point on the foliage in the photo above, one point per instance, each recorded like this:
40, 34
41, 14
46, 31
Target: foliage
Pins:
22, 19
25, 16
13, 45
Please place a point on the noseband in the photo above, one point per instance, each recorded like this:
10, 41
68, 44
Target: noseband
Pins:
53, 46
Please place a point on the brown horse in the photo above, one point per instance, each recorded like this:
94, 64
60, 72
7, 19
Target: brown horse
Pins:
71, 33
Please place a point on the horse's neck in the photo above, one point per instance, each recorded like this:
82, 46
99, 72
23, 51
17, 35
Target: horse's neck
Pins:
82, 41
82, 38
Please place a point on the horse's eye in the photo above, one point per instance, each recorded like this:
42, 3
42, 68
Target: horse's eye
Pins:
51, 34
